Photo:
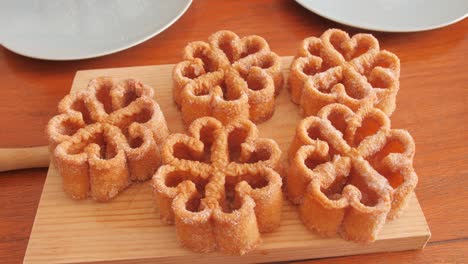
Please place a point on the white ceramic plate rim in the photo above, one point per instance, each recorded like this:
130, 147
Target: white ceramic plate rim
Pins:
305, 4
110, 51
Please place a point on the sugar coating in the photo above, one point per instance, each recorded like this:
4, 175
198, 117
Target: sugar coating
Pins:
219, 186
349, 171
227, 78
338, 69
105, 137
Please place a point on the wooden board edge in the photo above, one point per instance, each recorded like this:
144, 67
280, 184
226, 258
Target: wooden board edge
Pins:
428, 233
285, 254
31, 235
79, 72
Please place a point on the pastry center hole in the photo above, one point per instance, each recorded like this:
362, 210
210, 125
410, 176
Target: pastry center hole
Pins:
173, 179
336, 40
369, 196
266, 62
225, 45
380, 82
191, 72
207, 135
68, 127
103, 96
312, 162
251, 47
235, 139
130, 96
314, 132
193, 204
363, 45
334, 190
184, 152
392, 146
395, 178
107, 151
338, 121
261, 154
232, 200
80, 106
135, 142
255, 83
310, 68
143, 116
370, 126
256, 180
382, 60
208, 64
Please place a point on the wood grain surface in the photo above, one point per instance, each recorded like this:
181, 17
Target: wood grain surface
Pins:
433, 87
68, 231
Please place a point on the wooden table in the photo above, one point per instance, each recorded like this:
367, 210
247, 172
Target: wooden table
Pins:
434, 78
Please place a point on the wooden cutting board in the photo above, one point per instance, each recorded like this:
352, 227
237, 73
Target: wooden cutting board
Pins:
128, 230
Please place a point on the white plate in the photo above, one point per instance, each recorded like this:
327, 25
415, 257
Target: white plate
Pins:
390, 15
81, 29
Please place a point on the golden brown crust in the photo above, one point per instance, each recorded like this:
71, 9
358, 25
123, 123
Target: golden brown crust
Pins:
105, 137
349, 171
228, 78
338, 69
218, 185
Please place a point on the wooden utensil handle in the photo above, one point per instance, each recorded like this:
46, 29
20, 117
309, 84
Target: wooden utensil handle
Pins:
24, 158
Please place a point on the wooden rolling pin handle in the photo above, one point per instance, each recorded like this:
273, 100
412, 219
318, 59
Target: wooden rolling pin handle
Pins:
23, 158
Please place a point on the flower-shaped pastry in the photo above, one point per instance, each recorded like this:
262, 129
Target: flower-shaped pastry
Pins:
227, 78
349, 171
105, 137
218, 185
338, 69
